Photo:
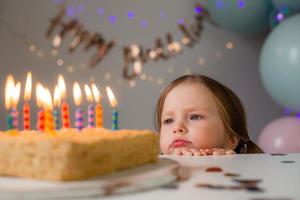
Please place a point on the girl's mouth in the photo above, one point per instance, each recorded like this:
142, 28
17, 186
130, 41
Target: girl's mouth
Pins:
179, 143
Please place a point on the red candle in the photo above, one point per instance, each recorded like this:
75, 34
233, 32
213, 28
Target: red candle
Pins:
65, 117
26, 106
26, 116
41, 120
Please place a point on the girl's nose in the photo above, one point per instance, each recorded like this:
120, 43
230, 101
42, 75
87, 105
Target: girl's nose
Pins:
179, 129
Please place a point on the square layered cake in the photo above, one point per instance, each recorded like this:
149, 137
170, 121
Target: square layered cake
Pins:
72, 155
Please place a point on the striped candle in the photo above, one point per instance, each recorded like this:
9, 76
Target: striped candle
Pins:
15, 121
114, 103
65, 116
56, 119
79, 118
77, 100
41, 120
115, 118
26, 106
9, 121
26, 116
91, 116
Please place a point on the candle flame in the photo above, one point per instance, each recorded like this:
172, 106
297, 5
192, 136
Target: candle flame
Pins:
12, 92
88, 93
111, 97
62, 87
47, 99
77, 94
28, 86
39, 92
9, 87
16, 95
96, 93
56, 97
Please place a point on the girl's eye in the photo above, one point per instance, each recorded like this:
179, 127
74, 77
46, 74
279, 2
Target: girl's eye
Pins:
168, 121
195, 117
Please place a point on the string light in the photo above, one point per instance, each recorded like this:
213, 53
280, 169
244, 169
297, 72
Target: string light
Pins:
229, 45
143, 77
201, 61
60, 62
70, 68
132, 83
107, 76
32, 48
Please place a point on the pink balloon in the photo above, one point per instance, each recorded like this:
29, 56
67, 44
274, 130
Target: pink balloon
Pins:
281, 136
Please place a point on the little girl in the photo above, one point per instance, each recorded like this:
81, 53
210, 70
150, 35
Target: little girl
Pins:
199, 116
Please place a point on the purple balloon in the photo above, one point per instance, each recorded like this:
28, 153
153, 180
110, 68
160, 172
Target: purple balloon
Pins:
281, 136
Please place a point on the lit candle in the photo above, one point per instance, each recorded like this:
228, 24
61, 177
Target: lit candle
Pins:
65, 116
79, 112
26, 106
91, 108
41, 113
49, 124
113, 103
99, 110
12, 94
56, 102
9, 86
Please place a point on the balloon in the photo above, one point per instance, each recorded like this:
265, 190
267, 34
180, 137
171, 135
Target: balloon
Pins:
281, 136
242, 16
280, 63
293, 5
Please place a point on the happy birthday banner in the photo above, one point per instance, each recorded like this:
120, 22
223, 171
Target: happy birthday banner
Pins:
134, 55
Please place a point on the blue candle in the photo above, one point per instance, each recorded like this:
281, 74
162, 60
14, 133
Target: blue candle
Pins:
115, 119
79, 118
56, 118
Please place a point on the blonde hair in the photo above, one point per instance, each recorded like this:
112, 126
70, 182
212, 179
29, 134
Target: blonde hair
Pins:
230, 108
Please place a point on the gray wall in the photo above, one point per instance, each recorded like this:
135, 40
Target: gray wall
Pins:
24, 22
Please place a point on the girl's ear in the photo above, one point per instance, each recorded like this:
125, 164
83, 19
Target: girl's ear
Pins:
232, 141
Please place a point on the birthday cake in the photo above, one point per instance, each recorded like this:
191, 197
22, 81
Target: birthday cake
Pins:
67, 155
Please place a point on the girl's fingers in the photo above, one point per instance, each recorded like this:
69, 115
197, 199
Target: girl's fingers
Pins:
177, 152
219, 152
203, 152
230, 152
187, 152
195, 152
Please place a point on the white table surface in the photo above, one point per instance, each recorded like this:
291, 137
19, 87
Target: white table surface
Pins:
278, 180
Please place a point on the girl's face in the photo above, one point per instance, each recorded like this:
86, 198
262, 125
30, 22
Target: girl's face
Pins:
190, 118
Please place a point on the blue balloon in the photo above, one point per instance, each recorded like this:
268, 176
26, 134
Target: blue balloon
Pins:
293, 5
280, 63
242, 16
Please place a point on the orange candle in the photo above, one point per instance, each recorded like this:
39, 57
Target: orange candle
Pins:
26, 106
49, 123
99, 110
